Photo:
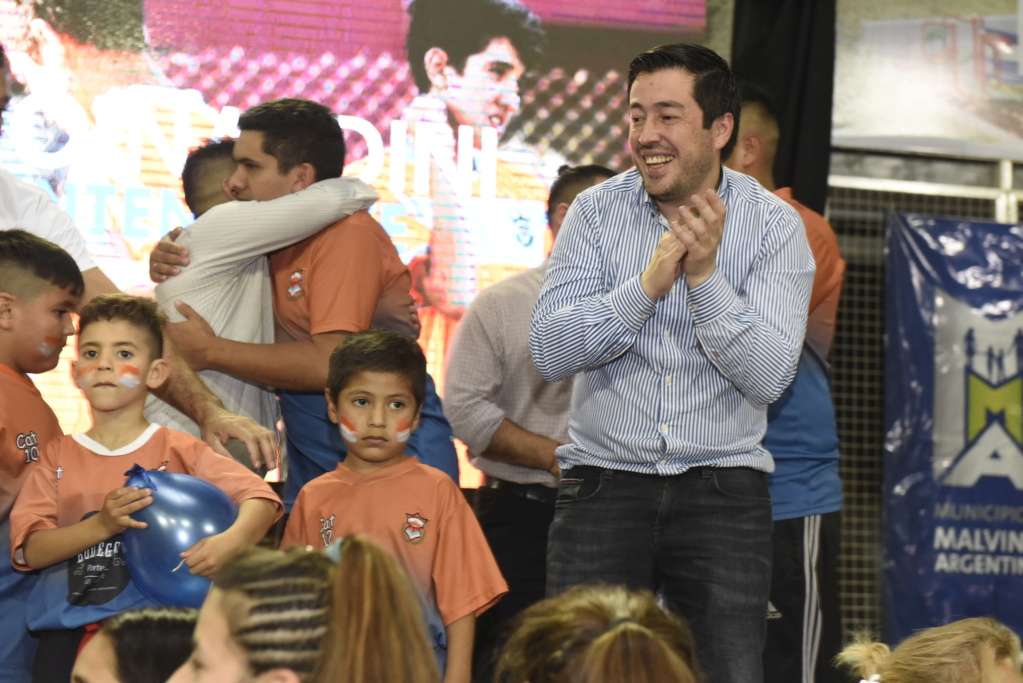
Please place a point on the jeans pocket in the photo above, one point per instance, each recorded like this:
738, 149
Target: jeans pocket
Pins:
577, 489
741, 483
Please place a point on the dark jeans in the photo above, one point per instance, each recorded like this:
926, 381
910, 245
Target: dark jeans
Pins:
516, 529
702, 537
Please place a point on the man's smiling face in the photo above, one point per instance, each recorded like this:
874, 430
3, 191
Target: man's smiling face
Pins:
672, 150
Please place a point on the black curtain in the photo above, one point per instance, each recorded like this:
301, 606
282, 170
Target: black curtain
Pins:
787, 47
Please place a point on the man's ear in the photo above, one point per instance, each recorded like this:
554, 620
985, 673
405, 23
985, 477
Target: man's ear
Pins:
159, 371
304, 175
435, 61
8, 302
748, 149
721, 129
558, 217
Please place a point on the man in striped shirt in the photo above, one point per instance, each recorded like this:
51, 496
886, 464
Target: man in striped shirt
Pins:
678, 291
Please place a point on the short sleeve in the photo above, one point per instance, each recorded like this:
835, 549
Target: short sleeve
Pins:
465, 574
36, 507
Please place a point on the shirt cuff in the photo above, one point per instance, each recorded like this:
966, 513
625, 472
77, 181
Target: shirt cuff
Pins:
711, 298
631, 304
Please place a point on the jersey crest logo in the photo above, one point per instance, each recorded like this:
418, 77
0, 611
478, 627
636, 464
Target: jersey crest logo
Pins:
295, 291
415, 528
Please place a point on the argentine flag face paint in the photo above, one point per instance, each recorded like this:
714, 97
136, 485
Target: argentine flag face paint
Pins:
128, 375
347, 430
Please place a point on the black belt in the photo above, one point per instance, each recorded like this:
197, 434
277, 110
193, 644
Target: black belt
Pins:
534, 492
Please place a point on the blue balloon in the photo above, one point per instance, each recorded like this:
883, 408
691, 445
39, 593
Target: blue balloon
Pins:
185, 510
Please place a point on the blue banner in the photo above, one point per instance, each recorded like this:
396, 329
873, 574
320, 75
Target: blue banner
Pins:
953, 468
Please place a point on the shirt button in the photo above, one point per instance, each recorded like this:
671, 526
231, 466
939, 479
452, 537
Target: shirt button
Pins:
668, 379
662, 461
667, 335
664, 429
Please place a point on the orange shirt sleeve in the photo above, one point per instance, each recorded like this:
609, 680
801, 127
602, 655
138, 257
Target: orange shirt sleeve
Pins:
827, 279
347, 275
36, 506
465, 574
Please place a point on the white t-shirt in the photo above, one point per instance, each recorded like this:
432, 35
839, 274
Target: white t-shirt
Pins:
227, 281
29, 208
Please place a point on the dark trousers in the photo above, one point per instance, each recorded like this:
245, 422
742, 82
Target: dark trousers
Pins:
702, 537
516, 529
804, 626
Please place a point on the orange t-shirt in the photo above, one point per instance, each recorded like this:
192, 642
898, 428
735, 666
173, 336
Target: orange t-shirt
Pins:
75, 474
27, 424
346, 278
827, 279
416, 513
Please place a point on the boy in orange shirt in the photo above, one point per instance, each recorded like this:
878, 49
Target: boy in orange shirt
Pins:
40, 285
74, 506
375, 388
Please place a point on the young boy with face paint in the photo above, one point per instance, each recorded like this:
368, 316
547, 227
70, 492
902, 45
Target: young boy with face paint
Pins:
74, 506
375, 388
39, 287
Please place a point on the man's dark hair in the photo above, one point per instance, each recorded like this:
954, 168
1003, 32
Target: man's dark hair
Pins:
143, 314
298, 132
3, 58
464, 27
196, 162
572, 180
24, 256
714, 86
106, 24
378, 351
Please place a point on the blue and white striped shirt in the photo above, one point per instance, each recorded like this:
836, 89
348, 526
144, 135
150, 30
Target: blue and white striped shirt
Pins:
685, 380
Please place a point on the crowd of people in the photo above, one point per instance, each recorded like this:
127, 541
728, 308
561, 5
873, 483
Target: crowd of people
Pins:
650, 408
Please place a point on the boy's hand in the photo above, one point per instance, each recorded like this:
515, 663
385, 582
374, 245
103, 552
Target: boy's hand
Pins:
120, 503
206, 557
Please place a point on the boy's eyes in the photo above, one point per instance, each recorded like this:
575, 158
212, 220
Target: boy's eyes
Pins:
88, 354
360, 402
397, 405
124, 354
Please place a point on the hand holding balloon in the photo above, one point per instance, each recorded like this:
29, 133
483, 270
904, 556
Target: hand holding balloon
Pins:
119, 504
206, 557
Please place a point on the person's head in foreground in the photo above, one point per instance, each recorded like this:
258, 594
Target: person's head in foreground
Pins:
684, 109
120, 351
297, 616
40, 285
146, 644
376, 385
598, 634
978, 650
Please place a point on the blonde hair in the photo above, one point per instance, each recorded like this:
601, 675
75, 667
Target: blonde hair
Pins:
953, 653
598, 634
359, 621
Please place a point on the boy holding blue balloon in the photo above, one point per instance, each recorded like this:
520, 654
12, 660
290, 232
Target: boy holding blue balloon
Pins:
74, 506
376, 385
